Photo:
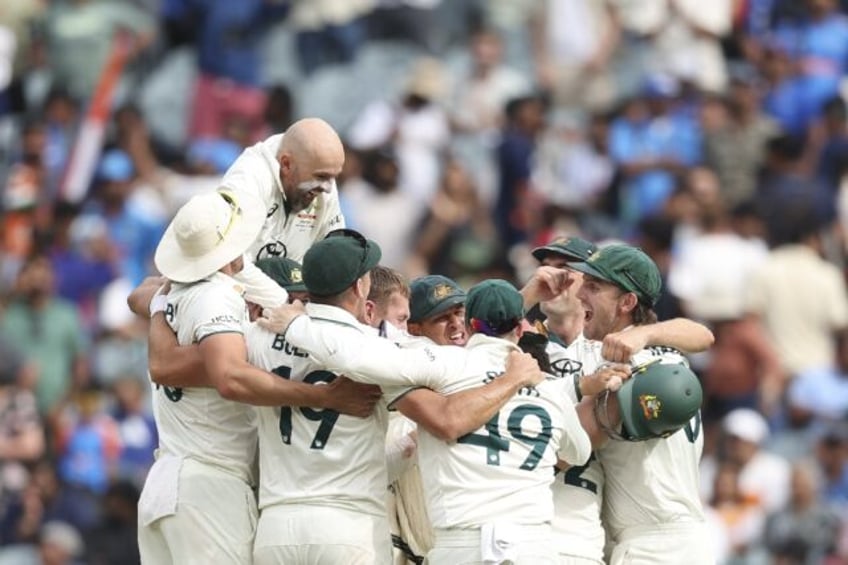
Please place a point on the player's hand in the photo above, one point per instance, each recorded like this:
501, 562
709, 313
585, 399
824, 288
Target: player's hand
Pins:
607, 377
546, 284
139, 298
620, 346
352, 398
277, 320
524, 368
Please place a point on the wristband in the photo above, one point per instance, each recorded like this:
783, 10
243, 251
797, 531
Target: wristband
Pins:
158, 304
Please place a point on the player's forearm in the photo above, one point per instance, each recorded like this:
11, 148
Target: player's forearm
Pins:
171, 364
680, 333
242, 382
586, 415
364, 358
469, 410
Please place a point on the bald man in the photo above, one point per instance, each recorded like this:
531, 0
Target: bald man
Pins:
294, 175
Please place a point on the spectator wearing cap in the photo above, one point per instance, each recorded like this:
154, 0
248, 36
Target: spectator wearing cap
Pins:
763, 476
437, 310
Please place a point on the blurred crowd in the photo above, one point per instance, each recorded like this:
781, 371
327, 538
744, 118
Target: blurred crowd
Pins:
714, 134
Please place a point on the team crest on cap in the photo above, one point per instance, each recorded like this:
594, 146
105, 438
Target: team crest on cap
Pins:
296, 276
651, 406
441, 291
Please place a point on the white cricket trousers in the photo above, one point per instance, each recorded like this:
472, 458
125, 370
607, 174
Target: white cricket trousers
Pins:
462, 547
663, 544
300, 534
214, 523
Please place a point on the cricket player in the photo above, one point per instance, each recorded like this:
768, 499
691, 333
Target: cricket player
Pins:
318, 467
293, 175
578, 491
652, 508
488, 494
197, 505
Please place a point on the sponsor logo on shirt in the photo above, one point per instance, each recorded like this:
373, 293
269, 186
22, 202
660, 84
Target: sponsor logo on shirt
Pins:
274, 248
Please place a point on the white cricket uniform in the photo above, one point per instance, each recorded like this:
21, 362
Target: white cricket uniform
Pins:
319, 465
257, 172
578, 491
197, 505
652, 508
493, 485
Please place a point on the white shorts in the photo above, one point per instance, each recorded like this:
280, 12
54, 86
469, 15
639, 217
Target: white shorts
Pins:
463, 547
320, 535
670, 544
214, 522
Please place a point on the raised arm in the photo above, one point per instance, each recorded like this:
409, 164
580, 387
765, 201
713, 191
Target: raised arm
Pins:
451, 417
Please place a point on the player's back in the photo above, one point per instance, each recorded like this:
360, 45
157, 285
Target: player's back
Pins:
313, 456
504, 470
198, 423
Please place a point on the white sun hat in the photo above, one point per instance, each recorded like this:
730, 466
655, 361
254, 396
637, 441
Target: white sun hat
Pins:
209, 231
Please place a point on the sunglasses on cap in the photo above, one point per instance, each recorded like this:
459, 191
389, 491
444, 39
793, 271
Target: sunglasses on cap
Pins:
360, 239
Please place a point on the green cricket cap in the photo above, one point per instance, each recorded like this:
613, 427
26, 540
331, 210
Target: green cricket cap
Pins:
432, 295
337, 261
627, 267
286, 272
494, 307
574, 248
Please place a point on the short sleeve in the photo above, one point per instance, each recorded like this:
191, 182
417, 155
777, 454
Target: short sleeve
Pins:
220, 310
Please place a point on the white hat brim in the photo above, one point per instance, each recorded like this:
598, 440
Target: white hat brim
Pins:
173, 264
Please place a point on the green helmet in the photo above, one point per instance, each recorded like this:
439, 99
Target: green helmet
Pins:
658, 399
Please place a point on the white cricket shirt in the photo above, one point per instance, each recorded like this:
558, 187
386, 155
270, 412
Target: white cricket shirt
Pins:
198, 423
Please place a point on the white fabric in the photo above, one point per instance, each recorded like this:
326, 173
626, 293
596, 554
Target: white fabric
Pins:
710, 293
578, 491
257, 172
199, 423
214, 524
466, 483
316, 535
498, 543
352, 349
206, 234
652, 482
161, 489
